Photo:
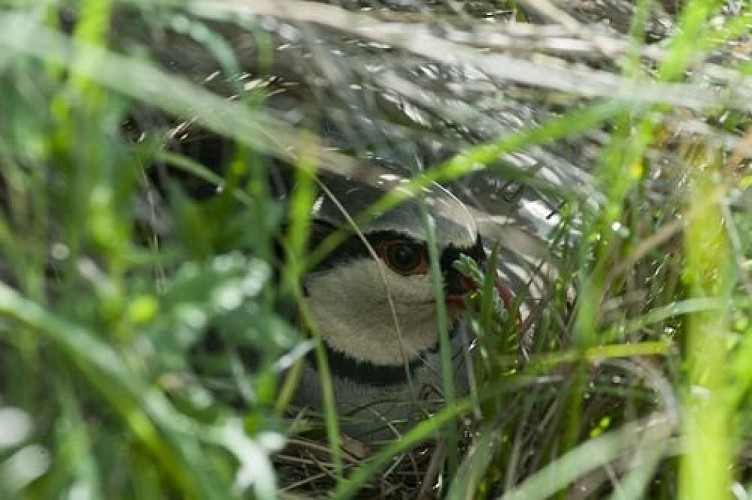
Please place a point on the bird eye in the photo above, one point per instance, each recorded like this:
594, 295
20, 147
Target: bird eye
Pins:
404, 257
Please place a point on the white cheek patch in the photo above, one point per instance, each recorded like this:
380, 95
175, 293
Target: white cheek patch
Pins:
350, 306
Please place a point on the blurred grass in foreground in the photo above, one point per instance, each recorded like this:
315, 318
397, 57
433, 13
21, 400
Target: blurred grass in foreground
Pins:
636, 381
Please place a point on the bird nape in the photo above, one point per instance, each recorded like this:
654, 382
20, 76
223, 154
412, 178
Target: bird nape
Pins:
374, 304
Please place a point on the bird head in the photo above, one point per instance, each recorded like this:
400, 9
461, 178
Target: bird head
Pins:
372, 298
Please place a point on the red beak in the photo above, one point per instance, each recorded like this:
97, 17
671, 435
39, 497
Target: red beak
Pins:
507, 296
456, 301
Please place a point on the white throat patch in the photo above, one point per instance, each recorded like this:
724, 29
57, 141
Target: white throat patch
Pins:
350, 306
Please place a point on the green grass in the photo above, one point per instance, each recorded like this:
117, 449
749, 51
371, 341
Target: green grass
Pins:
637, 370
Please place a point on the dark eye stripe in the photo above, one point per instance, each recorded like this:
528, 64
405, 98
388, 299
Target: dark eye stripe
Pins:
452, 253
354, 248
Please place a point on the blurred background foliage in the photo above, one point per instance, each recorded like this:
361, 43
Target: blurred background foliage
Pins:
147, 297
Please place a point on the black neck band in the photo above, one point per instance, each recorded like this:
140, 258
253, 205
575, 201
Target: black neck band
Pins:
365, 372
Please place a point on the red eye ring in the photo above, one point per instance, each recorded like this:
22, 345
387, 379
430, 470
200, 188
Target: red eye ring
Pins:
403, 256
